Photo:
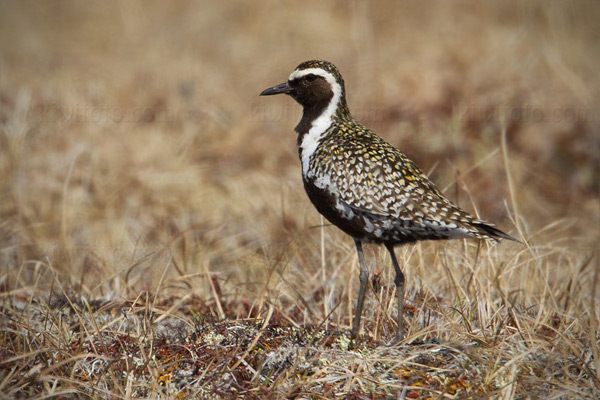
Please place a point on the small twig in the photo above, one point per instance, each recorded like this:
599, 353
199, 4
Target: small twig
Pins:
214, 291
255, 340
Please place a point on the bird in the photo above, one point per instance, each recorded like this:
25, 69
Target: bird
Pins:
363, 185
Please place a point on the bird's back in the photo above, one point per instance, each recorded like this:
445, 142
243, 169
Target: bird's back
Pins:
375, 193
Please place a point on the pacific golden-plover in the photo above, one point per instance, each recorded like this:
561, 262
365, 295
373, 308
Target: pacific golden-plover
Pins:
363, 185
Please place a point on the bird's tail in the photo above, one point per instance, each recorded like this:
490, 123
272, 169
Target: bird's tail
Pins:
488, 231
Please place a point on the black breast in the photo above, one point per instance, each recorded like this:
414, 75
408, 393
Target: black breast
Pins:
349, 220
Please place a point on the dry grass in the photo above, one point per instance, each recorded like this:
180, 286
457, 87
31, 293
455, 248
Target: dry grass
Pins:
155, 240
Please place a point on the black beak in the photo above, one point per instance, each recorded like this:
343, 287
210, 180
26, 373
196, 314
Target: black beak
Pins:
281, 88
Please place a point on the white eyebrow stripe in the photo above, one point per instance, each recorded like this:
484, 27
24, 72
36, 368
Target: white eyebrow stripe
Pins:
314, 71
321, 124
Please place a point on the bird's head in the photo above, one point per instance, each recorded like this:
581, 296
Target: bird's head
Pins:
314, 84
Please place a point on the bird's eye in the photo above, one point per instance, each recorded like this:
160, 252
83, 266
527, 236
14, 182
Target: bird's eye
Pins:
311, 78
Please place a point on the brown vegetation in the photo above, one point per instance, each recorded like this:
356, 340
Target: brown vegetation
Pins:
156, 242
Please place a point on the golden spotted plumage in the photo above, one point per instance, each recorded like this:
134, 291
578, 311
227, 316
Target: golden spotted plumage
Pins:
374, 178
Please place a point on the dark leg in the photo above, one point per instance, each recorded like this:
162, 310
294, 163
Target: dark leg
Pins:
399, 281
363, 279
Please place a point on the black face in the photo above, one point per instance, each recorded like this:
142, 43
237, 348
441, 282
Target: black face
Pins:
311, 91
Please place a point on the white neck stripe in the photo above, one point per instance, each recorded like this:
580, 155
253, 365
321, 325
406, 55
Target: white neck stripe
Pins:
320, 125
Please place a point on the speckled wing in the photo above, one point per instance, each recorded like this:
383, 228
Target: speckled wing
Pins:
381, 183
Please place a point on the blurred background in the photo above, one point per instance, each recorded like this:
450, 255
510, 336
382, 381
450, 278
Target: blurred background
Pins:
134, 146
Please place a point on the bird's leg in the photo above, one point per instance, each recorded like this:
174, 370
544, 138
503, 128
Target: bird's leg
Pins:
363, 279
399, 281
